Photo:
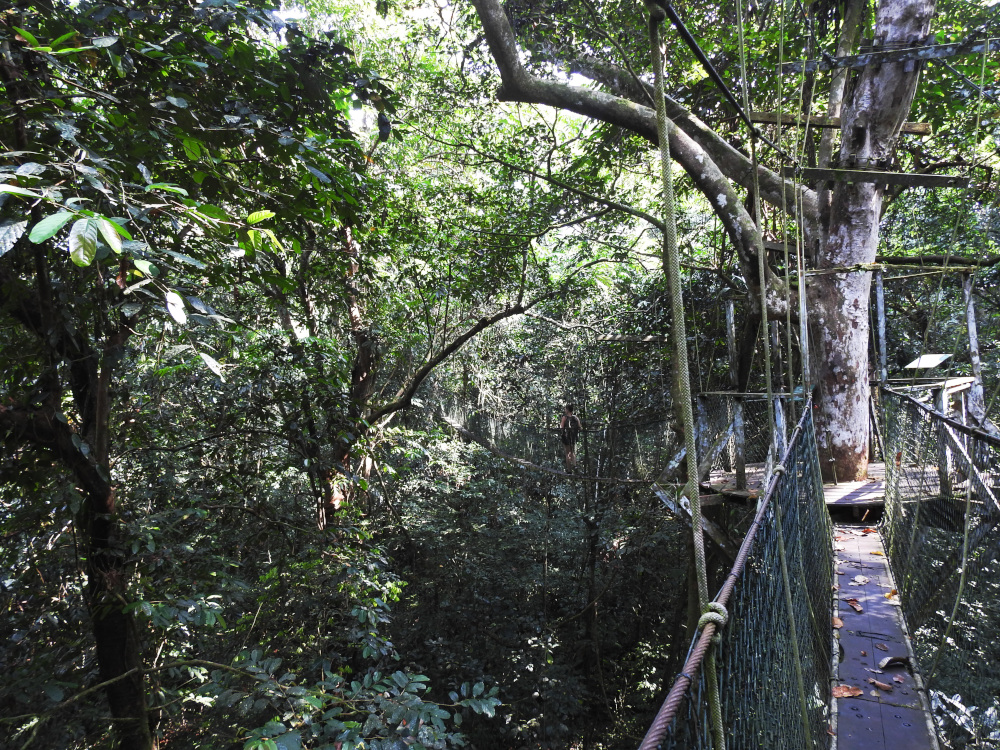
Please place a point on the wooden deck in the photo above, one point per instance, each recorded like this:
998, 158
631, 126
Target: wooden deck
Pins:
865, 494
876, 705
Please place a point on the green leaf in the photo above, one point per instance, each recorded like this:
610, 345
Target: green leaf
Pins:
178, 101
109, 231
48, 226
213, 365
83, 241
258, 216
29, 38
175, 306
165, 186
54, 692
15, 190
146, 267
104, 41
184, 258
212, 212
192, 148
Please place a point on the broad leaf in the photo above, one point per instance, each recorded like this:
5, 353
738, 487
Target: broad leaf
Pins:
258, 216
10, 232
213, 365
146, 267
175, 306
48, 226
15, 190
83, 241
109, 231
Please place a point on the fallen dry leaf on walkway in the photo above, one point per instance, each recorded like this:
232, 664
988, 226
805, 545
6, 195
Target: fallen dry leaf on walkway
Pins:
899, 678
869, 530
864, 653
853, 604
846, 691
881, 647
880, 685
878, 552
891, 594
860, 580
837, 622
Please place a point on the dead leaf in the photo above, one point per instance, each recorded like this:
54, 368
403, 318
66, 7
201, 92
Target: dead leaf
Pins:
840, 539
861, 580
881, 647
837, 622
829, 731
836, 587
846, 691
853, 604
869, 530
891, 594
864, 653
840, 572
873, 671
883, 686
899, 678
875, 693
878, 552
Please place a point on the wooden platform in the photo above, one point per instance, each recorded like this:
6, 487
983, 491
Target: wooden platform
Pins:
893, 714
865, 494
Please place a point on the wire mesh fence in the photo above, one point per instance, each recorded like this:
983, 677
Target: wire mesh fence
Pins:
774, 657
942, 533
636, 449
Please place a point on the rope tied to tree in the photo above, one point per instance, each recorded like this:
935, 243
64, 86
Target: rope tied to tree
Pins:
671, 263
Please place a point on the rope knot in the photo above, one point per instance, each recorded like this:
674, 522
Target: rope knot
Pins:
716, 613
779, 469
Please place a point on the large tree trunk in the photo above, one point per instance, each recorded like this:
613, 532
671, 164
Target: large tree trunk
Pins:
874, 112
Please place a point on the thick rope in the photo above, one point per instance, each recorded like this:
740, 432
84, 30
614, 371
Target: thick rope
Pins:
671, 261
672, 265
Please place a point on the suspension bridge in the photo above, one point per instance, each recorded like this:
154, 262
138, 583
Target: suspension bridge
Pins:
854, 616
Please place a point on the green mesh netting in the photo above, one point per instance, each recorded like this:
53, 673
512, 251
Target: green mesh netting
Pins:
936, 469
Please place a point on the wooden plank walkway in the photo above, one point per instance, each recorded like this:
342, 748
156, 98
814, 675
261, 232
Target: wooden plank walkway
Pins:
877, 705
865, 494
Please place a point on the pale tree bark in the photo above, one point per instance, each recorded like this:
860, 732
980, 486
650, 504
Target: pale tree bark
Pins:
875, 109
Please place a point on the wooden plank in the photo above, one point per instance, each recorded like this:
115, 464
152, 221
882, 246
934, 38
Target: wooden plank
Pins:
910, 128
875, 718
908, 179
877, 57
855, 494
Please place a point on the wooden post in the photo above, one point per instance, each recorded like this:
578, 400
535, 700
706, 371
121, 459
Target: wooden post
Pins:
977, 403
739, 434
779, 409
703, 434
880, 314
943, 450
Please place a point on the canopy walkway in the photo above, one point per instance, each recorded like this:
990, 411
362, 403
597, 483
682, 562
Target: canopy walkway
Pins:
904, 653
835, 636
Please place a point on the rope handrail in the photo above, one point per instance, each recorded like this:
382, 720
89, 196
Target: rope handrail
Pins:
688, 674
951, 422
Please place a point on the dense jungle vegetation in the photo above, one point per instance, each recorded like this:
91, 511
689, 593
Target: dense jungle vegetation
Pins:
255, 262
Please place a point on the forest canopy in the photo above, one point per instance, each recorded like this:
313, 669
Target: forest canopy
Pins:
292, 298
